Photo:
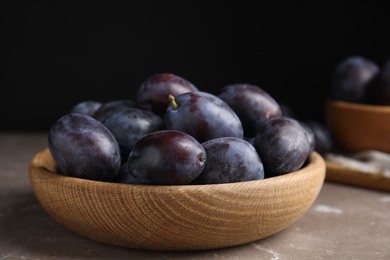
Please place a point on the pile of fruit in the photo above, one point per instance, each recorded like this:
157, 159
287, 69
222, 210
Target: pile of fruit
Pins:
173, 133
359, 79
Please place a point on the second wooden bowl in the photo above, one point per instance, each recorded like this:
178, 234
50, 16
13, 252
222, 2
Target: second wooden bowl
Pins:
359, 127
175, 218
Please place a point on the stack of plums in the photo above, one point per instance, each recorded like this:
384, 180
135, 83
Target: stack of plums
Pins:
173, 133
359, 79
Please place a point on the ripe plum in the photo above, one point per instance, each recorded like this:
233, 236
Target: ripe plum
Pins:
353, 79
310, 135
283, 145
87, 107
111, 107
380, 93
124, 176
202, 115
129, 125
166, 157
154, 91
83, 147
323, 138
252, 105
230, 159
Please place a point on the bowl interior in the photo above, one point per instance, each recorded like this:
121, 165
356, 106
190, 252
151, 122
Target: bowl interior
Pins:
359, 127
175, 218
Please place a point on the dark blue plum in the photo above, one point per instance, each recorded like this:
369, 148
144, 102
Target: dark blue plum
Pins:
353, 79
87, 107
154, 91
230, 159
283, 146
111, 107
310, 135
203, 116
129, 125
252, 104
380, 92
166, 157
124, 176
83, 147
323, 138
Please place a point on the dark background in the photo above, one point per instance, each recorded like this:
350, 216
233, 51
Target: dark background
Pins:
58, 53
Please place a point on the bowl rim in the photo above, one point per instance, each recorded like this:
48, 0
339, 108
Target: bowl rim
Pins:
357, 106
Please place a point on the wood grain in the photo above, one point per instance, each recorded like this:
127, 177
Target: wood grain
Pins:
175, 218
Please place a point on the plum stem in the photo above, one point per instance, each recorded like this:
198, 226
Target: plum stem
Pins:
173, 102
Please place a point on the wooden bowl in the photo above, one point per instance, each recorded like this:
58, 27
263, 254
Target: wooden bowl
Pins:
359, 127
175, 218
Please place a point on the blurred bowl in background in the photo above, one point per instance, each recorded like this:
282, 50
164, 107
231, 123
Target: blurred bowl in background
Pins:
359, 127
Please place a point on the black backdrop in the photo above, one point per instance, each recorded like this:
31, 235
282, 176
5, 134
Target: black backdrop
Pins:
58, 53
